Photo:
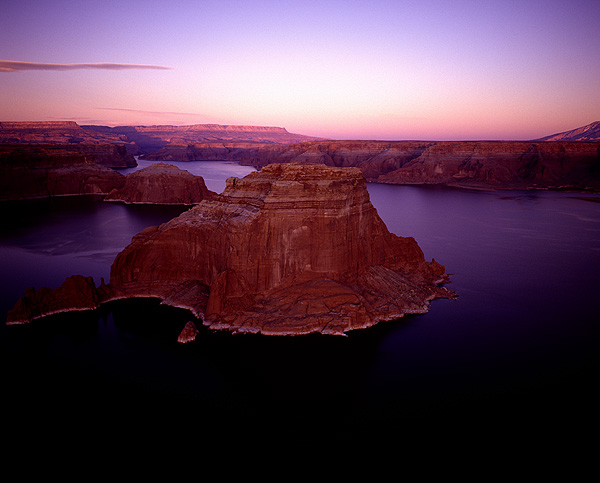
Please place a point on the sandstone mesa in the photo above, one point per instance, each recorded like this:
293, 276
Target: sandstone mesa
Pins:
293, 249
161, 184
468, 164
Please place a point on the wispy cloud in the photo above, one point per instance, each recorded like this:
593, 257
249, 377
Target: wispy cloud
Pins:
141, 111
16, 66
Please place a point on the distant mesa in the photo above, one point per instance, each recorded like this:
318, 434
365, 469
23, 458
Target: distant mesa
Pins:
143, 140
467, 164
61, 132
152, 139
293, 249
567, 161
590, 132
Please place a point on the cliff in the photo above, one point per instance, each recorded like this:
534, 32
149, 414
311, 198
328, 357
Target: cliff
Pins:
180, 151
38, 154
46, 170
472, 164
290, 250
144, 139
589, 132
161, 184
42, 171
61, 132
154, 138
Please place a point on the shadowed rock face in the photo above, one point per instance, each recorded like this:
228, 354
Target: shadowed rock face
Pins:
481, 164
64, 132
290, 250
161, 184
45, 170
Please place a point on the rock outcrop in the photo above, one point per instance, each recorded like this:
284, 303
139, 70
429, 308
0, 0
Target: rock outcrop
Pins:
75, 294
172, 138
589, 132
63, 132
293, 249
188, 333
52, 154
472, 164
46, 170
161, 184
181, 151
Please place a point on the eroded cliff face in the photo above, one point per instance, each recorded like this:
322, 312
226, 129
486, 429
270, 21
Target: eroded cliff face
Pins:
46, 155
167, 142
485, 164
161, 184
46, 170
290, 250
62, 132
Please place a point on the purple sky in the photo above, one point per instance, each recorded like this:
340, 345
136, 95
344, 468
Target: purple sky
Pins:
341, 69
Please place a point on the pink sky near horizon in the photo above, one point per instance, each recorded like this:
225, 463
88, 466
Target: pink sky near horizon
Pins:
436, 70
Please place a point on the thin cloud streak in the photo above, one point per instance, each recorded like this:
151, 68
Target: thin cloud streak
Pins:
141, 111
17, 66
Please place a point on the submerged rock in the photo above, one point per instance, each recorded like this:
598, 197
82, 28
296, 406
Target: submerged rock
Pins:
293, 249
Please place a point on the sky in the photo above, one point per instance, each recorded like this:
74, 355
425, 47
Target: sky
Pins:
388, 70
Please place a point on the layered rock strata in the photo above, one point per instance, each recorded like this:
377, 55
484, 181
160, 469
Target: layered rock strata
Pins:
169, 140
161, 184
47, 170
62, 132
485, 164
290, 250
181, 151
589, 132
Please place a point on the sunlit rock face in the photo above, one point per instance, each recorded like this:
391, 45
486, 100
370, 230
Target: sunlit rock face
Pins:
161, 184
293, 249
469, 164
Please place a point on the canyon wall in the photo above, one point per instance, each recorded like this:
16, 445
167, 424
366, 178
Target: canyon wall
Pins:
61, 132
293, 249
471, 164
46, 170
170, 139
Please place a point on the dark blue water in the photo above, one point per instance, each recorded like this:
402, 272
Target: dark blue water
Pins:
516, 353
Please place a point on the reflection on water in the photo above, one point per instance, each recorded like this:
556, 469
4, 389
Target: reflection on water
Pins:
519, 344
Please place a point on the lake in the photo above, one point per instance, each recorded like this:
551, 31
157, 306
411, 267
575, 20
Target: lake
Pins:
516, 353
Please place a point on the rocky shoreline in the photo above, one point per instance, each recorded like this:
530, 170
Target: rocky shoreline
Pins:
556, 165
293, 249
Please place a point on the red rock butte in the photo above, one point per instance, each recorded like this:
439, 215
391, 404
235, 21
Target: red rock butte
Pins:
292, 249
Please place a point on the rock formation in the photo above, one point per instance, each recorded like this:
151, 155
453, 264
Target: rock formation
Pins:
50, 154
181, 151
472, 164
589, 132
161, 184
169, 140
45, 170
293, 249
188, 333
62, 132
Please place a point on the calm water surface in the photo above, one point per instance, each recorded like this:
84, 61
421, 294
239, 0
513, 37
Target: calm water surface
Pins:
518, 349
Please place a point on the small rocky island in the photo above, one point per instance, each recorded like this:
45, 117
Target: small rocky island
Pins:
161, 184
293, 249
